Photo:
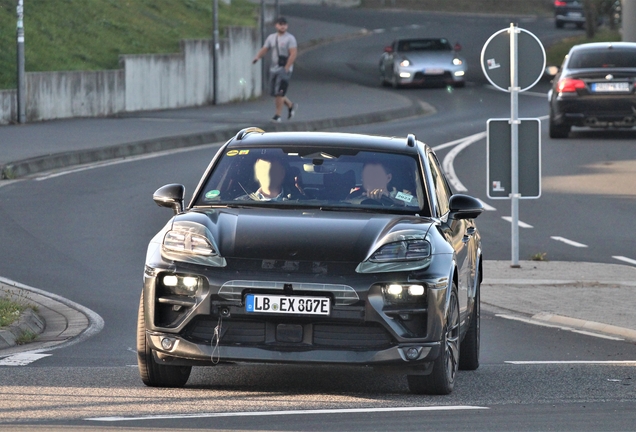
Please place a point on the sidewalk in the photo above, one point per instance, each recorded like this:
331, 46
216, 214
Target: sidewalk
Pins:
586, 296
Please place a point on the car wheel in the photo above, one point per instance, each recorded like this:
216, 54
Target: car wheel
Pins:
559, 24
557, 130
153, 374
580, 25
442, 378
469, 348
459, 84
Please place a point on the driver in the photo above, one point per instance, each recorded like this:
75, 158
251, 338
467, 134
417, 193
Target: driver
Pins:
375, 186
270, 174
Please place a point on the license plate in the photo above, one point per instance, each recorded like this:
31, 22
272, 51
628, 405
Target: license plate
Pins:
610, 87
267, 303
434, 71
575, 14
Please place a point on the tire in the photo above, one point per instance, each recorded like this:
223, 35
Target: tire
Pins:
559, 24
442, 378
469, 348
153, 374
459, 84
558, 131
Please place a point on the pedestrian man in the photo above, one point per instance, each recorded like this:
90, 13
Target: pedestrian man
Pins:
284, 51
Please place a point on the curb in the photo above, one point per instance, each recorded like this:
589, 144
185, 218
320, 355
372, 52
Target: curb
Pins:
14, 170
58, 320
29, 322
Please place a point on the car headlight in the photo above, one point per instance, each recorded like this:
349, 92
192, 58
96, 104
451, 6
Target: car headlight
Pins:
405, 63
457, 61
193, 243
406, 250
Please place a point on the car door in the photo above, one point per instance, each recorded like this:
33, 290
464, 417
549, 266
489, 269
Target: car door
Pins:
456, 233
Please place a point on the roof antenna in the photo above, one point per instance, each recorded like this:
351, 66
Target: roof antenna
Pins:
410, 140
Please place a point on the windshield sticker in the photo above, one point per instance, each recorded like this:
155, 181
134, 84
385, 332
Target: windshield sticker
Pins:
212, 194
404, 197
237, 152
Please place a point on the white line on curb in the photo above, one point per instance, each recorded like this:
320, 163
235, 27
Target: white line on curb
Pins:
569, 242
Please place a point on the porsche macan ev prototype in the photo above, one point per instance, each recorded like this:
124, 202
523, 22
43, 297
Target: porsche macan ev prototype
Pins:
315, 248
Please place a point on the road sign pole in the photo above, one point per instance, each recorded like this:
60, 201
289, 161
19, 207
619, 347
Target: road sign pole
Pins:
21, 93
514, 143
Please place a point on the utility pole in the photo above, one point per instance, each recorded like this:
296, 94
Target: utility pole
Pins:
263, 76
20, 51
215, 52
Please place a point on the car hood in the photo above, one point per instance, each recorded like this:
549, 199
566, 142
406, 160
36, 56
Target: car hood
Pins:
303, 235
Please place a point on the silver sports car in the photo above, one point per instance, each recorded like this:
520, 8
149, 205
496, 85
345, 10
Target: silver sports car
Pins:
422, 62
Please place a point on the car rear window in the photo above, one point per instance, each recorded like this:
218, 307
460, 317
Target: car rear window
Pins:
318, 177
606, 58
424, 45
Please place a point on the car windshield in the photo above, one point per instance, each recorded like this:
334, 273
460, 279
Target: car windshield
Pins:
329, 178
606, 58
424, 45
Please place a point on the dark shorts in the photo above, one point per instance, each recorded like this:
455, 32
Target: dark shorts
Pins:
279, 80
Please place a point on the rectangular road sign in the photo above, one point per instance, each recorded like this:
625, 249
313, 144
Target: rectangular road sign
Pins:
499, 158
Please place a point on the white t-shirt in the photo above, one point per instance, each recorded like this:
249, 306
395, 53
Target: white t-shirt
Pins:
285, 42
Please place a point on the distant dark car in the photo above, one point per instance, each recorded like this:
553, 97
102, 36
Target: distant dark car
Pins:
315, 248
594, 88
569, 11
422, 62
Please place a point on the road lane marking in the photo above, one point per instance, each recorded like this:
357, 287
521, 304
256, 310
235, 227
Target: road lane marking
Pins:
22, 359
476, 136
487, 207
568, 242
291, 412
540, 323
591, 362
625, 259
520, 223
449, 160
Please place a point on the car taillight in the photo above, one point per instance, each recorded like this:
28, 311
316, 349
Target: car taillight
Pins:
569, 85
560, 3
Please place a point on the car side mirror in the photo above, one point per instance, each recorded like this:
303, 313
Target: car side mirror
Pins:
457, 47
464, 207
171, 196
388, 49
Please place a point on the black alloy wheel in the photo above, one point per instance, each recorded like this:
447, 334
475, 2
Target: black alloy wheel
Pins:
558, 131
442, 378
153, 374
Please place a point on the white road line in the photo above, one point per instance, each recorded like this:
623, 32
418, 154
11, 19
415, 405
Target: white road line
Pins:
566, 362
487, 207
291, 412
478, 135
625, 259
560, 327
568, 242
449, 160
521, 224
22, 359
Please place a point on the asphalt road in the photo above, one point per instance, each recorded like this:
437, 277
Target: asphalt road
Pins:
85, 234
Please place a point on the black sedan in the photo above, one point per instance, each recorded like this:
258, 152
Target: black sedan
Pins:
315, 248
594, 88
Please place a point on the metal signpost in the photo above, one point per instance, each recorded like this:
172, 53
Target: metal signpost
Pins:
20, 51
509, 72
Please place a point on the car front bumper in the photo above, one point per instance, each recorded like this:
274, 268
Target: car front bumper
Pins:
208, 328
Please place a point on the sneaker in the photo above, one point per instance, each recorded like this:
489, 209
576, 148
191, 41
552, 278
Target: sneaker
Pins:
292, 110
276, 119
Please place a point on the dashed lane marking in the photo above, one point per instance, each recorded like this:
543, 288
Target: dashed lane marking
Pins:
625, 259
521, 224
291, 412
568, 242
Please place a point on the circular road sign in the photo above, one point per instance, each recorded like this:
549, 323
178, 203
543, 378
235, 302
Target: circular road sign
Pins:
495, 59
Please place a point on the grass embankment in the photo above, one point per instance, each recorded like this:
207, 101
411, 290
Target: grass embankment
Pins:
556, 52
9, 311
91, 34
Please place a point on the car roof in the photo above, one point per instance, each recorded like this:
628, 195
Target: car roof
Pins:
595, 46
254, 138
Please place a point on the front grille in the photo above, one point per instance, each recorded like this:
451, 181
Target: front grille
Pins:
328, 336
432, 79
353, 337
342, 294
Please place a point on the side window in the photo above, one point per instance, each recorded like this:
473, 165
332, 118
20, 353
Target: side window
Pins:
442, 192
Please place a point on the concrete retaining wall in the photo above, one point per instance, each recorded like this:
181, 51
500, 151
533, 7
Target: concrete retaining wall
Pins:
145, 82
